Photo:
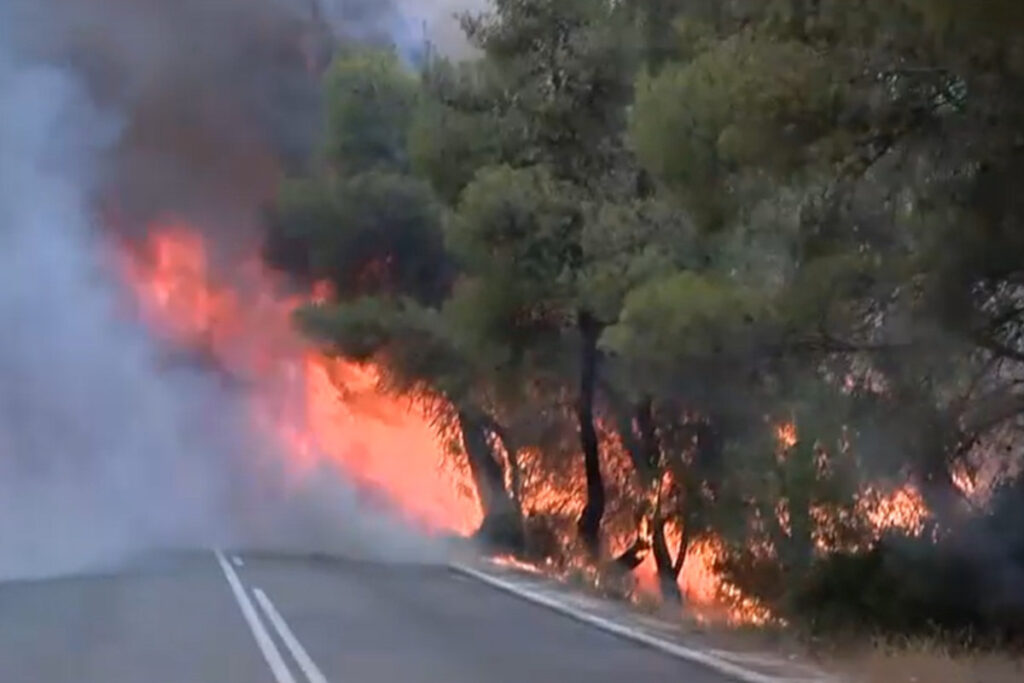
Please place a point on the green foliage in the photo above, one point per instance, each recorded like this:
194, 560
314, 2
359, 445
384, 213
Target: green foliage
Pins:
517, 223
448, 146
749, 100
370, 233
453, 132
766, 211
412, 344
370, 103
565, 71
684, 317
515, 235
823, 290
626, 244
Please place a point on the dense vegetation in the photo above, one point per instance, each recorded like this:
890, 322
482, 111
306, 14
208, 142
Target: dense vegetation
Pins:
670, 230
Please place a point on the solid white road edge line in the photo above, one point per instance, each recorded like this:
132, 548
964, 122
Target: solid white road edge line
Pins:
263, 639
717, 664
306, 662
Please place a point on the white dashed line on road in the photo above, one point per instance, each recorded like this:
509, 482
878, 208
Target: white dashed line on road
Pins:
263, 639
237, 561
306, 662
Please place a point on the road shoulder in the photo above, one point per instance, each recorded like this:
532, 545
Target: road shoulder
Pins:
657, 634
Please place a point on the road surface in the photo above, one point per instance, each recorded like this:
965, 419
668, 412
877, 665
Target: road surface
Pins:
272, 619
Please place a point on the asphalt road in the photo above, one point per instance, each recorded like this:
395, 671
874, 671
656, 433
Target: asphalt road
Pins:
272, 619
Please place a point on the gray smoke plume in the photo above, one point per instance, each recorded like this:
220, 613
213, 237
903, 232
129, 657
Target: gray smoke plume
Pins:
409, 25
217, 97
214, 95
90, 436
144, 108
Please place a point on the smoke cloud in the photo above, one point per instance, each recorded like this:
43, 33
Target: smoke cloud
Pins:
131, 110
409, 25
88, 433
214, 95
217, 96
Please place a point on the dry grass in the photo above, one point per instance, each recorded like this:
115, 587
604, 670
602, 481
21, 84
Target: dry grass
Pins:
928, 662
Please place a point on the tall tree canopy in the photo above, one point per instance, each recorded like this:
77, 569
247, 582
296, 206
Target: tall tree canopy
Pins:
767, 254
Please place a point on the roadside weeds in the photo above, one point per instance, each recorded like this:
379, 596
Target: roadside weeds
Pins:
925, 661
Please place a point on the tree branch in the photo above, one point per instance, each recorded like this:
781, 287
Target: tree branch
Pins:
998, 348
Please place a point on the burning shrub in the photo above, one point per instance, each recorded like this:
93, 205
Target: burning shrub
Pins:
755, 375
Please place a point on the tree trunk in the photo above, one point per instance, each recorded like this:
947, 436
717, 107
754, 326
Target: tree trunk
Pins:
624, 415
659, 32
633, 556
945, 500
684, 548
502, 526
668, 576
648, 434
797, 547
590, 521
668, 579
512, 456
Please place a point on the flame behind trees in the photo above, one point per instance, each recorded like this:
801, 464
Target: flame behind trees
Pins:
313, 408
761, 299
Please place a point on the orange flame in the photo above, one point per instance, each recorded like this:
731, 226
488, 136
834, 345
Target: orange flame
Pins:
709, 596
787, 435
318, 409
327, 410
904, 509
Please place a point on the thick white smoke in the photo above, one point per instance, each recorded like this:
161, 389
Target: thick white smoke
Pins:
105, 453
92, 454
409, 24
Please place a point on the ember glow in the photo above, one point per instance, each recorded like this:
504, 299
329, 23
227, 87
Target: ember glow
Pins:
233, 317
512, 562
787, 435
709, 596
903, 510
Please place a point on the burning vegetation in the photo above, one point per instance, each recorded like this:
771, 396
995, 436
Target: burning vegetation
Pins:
741, 332
237, 321
715, 372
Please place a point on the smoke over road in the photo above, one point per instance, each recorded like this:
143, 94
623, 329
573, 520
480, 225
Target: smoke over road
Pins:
117, 113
